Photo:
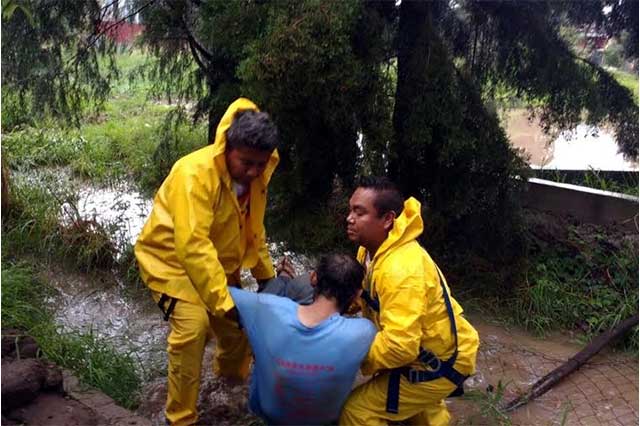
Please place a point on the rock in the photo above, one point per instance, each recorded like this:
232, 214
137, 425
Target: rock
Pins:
8, 342
16, 344
21, 382
53, 409
53, 380
27, 348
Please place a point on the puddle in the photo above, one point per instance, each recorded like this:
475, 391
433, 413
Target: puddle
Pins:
118, 207
583, 148
98, 304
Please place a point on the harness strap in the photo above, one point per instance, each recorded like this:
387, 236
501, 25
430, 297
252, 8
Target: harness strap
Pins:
373, 303
172, 305
393, 391
438, 368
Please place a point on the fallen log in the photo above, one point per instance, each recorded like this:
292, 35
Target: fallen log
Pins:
547, 382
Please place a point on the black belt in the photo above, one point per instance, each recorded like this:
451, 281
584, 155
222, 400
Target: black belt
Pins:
169, 310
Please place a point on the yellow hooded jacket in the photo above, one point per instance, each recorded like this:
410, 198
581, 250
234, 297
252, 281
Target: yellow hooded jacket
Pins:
413, 314
196, 235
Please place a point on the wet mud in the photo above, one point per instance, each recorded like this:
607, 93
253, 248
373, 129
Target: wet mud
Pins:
602, 392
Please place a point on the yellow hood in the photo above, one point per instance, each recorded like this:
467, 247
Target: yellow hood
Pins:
220, 143
406, 228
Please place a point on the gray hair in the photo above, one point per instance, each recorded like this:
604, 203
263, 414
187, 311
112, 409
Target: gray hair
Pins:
252, 129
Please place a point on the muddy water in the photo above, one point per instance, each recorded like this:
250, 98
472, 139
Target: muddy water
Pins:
582, 148
603, 392
118, 207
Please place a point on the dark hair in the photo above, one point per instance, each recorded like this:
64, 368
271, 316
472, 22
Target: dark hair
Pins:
339, 276
388, 196
252, 129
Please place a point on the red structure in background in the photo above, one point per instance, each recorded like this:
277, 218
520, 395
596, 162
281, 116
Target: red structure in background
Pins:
121, 33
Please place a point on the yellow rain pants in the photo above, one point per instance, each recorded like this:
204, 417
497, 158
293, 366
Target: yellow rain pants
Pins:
419, 403
191, 328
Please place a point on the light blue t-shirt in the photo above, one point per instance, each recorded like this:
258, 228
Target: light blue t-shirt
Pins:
301, 375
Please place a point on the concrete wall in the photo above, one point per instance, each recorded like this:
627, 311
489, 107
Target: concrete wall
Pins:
585, 204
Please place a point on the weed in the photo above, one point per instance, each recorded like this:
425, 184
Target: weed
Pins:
589, 283
595, 179
133, 136
624, 183
43, 221
628, 80
490, 405
93, 359
133, 285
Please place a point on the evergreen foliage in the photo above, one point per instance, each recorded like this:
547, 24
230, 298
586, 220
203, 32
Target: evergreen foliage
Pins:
402, 89
398, 89
52, 59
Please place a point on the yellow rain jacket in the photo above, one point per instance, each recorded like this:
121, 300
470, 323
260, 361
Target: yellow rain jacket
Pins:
197, 235
413, 314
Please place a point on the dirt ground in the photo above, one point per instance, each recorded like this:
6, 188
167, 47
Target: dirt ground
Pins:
603, 392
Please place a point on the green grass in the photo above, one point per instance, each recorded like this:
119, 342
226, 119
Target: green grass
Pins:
627, 184
590, 284
134, 136
489, 404
92, 359
584, 281
31, 226
630, 81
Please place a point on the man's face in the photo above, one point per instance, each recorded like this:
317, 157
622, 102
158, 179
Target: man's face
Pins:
245, 164
364, 226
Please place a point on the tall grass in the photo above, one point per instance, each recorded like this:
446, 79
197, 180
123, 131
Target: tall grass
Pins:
628, 80
93, 359
589, 283
134, 136
626, 183
36, 224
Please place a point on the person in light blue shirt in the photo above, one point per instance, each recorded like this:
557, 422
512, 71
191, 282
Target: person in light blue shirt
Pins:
306, 356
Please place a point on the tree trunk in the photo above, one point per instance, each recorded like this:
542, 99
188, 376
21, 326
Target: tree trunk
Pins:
213, 125
413, 58
596, 345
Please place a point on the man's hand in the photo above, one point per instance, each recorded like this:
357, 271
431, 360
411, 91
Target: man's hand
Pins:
285, 268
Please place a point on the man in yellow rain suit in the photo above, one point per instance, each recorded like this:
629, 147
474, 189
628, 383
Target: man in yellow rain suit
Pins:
206, 224
424, 348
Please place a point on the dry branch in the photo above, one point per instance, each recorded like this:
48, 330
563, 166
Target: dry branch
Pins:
579, 359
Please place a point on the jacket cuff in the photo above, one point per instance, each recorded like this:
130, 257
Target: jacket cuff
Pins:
223, 306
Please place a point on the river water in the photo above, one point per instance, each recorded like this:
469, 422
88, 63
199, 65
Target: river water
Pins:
582, 148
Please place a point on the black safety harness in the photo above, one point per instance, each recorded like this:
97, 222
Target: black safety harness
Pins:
437, 367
